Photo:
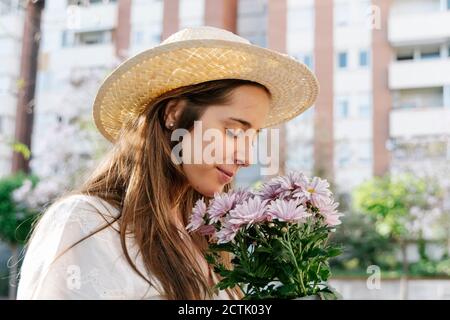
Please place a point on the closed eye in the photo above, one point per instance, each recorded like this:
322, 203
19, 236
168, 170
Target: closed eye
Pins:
234, 133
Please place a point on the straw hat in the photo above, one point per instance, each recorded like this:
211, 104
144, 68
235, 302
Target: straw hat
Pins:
195, 55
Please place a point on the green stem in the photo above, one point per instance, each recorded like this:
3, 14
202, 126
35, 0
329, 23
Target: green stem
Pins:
299, 273
261, 234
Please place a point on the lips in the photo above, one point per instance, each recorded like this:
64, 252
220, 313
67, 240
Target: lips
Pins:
225, 171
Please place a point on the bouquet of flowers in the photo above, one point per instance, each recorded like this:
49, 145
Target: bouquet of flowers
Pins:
277, 236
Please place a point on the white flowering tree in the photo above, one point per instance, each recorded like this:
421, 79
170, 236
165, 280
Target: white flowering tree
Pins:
66, 146
427, 158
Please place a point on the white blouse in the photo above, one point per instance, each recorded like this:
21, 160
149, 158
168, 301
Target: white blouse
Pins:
96, 268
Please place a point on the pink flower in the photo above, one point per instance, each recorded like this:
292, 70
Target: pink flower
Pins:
288, 210
221, 204
317, 191
300, 183
290, 186
198, 214
249, 212
329, 212
228, 232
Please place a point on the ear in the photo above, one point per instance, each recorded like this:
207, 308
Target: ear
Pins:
173, 111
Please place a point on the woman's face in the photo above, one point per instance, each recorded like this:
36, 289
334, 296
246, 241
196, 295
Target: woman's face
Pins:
224, 139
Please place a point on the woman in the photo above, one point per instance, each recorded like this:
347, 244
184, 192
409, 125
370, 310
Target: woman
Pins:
122, 235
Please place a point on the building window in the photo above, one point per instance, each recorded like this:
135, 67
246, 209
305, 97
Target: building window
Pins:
95, 37
344, 155
363, 58
405, 55
365, 107
430, 52
70, 39
418, 98
342, 14
155, 38
342, 108
365, 153
342, 60
138, 37
307, 59
86, 3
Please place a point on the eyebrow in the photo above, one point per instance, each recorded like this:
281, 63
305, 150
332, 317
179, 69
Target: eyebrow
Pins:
244, 123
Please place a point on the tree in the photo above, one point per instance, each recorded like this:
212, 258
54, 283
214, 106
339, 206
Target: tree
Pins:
402, 206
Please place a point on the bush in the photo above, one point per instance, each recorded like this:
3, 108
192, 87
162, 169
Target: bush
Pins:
363, 246
15, 222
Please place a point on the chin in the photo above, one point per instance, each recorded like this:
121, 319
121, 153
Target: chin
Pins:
209, 192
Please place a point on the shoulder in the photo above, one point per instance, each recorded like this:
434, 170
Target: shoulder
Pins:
80, 208
84, 203
73, 217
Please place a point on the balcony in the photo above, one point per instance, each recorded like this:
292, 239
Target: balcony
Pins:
407, 29
419, 73
415, 122
94, 17
84, 56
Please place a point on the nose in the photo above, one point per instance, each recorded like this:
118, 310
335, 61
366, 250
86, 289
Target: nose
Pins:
243, 156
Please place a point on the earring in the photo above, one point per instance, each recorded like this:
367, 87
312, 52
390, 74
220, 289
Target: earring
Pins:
171, 125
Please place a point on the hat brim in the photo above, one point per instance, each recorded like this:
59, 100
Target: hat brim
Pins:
129, 88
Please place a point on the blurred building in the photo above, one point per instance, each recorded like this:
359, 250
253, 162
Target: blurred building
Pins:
11, 26
419, 81
383, 67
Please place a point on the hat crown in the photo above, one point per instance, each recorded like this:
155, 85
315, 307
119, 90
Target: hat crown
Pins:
204, 33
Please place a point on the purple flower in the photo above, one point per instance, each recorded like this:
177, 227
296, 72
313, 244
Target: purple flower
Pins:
329, 212
253, 210
288, 210
221, 204
227, 233
279, 187
197, 218
242, 194
317, 191
269, 190
290, 186
297, 179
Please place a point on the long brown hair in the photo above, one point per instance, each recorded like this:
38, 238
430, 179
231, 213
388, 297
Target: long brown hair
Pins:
138, 177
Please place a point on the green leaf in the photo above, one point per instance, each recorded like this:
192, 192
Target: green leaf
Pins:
334, 251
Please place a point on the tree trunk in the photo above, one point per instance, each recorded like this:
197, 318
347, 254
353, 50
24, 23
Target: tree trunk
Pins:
28, 71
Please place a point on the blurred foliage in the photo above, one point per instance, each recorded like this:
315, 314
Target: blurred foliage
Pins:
388, 200
15, 221
431, 268
363, 245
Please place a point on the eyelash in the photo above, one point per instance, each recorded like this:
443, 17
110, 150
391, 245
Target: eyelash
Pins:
229, 132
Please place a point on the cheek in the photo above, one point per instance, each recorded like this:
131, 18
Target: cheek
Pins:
203, 178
